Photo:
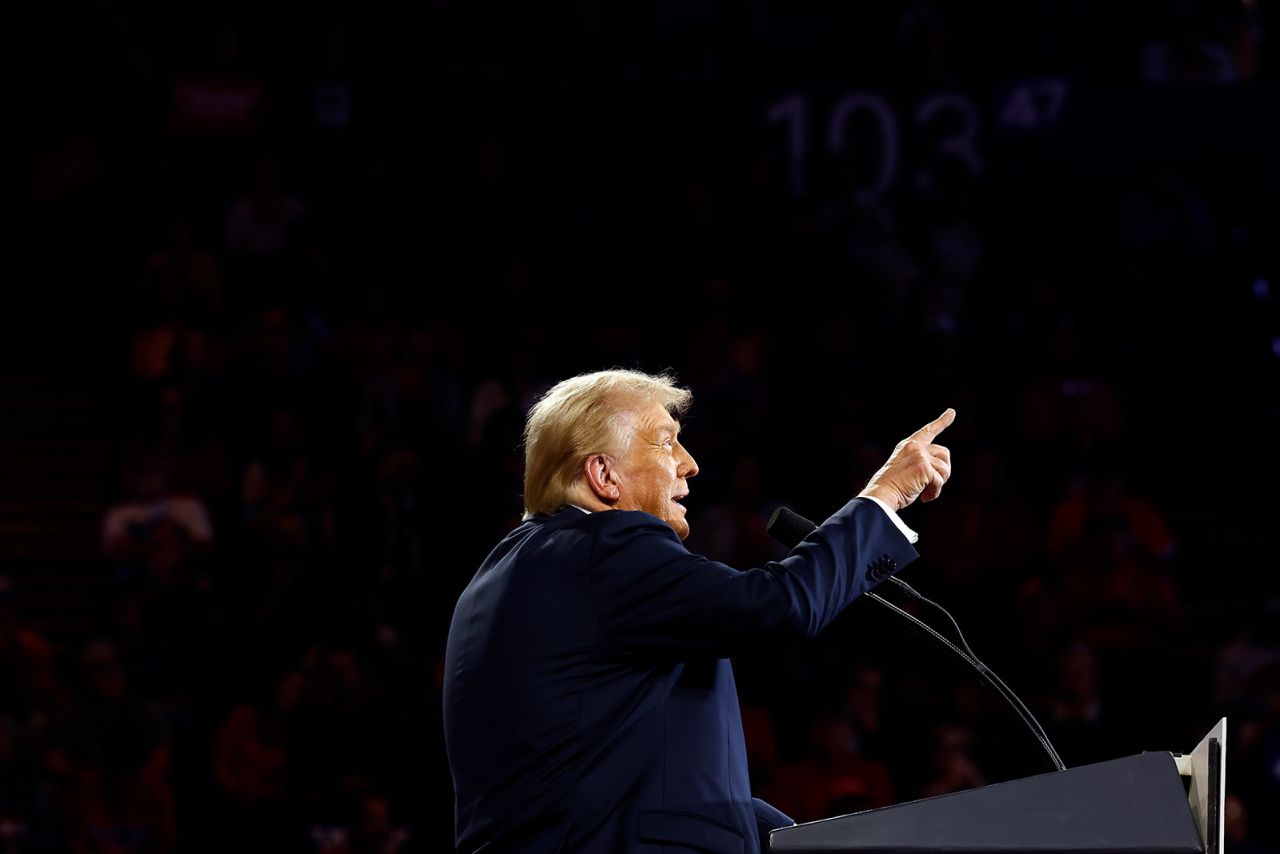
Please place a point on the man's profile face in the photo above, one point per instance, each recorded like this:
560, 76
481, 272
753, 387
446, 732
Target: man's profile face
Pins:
652, 471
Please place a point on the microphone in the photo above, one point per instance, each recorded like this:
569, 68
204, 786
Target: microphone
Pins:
790, 528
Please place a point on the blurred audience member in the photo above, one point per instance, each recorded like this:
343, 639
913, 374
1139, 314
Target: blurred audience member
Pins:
1077, 720
733, 529
179, 282
258, 223
27, 684
372, 832
953, 766
111, 754
832, 778
27, 818
149, 523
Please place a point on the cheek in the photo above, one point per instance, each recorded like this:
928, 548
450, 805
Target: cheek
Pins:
659, 490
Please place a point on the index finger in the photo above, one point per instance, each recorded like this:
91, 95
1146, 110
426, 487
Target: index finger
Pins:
928, 432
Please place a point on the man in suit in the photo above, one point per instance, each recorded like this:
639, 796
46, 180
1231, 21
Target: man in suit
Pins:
589, 704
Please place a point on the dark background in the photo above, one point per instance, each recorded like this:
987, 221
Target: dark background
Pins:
282, 280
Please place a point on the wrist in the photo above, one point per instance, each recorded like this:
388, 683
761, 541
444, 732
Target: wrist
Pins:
888, 495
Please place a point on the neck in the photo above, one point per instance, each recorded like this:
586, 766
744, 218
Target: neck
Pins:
583, 496
590, 504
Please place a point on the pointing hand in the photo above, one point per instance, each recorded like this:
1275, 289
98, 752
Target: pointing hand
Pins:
917, 468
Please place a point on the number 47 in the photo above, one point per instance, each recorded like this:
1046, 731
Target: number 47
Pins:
1034, 104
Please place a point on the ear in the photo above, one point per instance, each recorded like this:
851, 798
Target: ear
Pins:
601, 475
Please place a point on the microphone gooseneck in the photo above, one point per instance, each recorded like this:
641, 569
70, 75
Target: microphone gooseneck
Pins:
789, 528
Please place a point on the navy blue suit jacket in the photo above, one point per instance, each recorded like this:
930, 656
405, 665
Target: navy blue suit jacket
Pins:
588, 701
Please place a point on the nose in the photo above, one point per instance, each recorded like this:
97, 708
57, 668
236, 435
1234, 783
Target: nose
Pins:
688, 465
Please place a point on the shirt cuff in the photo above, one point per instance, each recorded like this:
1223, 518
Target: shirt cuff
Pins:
911, 535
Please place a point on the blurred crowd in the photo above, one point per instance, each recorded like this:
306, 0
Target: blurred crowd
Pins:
332, 285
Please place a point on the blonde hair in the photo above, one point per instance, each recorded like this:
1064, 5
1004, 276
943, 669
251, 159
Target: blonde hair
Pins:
581, 416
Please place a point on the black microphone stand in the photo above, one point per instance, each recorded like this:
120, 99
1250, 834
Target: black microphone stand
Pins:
785, 524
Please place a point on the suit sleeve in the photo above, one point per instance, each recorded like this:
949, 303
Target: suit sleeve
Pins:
652, 595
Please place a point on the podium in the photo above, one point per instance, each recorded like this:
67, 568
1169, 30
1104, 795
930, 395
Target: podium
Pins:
1151, 803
